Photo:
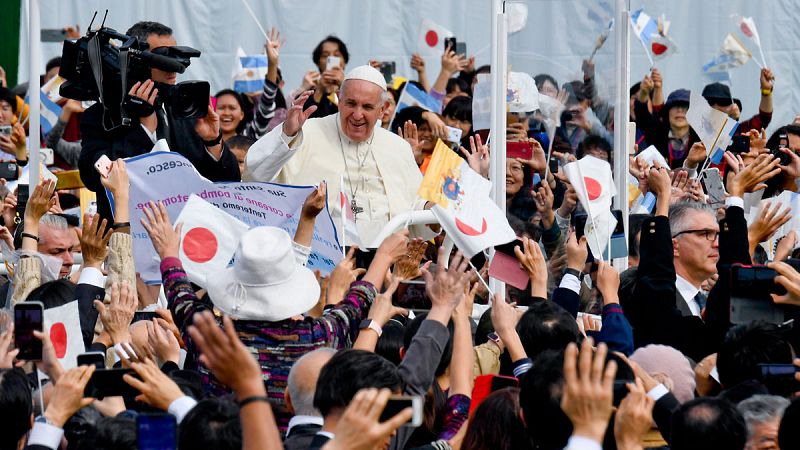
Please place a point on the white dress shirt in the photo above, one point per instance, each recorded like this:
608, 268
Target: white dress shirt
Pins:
688, 291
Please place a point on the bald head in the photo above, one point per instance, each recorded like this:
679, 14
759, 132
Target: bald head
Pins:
302, 381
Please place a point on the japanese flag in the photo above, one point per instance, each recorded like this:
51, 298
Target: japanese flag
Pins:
208, 239
431, 38
63, 324
593, 182
661, 46
748, 27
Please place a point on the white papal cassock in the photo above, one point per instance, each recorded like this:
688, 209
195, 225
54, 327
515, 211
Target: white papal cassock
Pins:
380, 174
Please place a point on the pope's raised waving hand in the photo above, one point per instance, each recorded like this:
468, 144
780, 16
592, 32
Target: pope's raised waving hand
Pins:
296, 117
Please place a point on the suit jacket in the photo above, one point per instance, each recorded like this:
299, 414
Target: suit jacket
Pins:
652, 305
86, 294
301, 436
125, 142
318, 441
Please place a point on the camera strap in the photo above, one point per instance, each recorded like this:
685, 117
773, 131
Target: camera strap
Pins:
95, 62
123, 74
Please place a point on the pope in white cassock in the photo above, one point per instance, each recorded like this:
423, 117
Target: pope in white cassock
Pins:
380, 175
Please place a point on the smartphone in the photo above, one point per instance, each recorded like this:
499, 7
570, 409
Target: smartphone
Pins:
739, 144
461, 48
388, 69
103, 166
109, 383
97, 359
22, 199
8, 171
751, 287
486, 384
506, 267
454, 134
144, 315
450, 43
783, 142
555, 164
521, 149
768, 371
28, 317
333, 61
569, 116
712, 182
400, 402
156, 431
6, 130
53, 35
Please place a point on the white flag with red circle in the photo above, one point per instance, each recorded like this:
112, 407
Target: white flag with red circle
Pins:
63, 324
661, 46
593, 181
208, 239
431, 38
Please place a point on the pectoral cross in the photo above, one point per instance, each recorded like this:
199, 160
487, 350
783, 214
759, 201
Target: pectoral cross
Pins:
355, 208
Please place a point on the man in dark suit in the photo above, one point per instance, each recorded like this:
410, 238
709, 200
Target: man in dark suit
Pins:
200, 141
680, 248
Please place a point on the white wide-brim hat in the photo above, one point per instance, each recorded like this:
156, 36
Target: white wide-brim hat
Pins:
265, 282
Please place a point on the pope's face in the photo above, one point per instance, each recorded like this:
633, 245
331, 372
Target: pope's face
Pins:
360, 107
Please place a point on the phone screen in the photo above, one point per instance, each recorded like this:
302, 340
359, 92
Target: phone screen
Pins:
143, 315
461, 48
739, 144
450, 43
96, 359
28, 317
22, 198
750, 295
156, 432
109, 383
397, 404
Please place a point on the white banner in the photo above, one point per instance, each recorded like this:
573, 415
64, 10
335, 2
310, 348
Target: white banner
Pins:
171, 178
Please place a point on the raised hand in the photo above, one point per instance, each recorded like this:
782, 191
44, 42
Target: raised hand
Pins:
165, 239
753, 176
117, 181
315, 202
273, 46
446, 287
342, 276
382, 308
789, 279
764, 227
477, 156
163, 344
157, 389
411, 135
407, 266
118, 314
296, 116
94, 240
532, 260
634, 417
359, 427
67, 397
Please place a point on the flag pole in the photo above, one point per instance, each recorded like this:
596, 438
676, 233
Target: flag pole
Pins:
623, 144
497, 167
34, 86
255, 19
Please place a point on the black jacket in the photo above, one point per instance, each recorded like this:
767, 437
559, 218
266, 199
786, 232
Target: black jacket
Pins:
651, 305
125, 142
300, 436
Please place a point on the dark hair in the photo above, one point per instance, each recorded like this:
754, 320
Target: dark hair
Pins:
246, 111
141, 30
789, 431
447, 353
459, 108
496, 424
348, 372
454, 83
111, 433
241, 141
52, 64
412, 113
541, 78
212, 423
53, 293
317, 54
8, 96
16, 407
485, 326
594, 141
708, 422
391, 341
745, 346
576, 90
635, 88
540, 401
546, 326
522, 205
486, 68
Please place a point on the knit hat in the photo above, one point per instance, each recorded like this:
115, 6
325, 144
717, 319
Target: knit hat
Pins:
662, 361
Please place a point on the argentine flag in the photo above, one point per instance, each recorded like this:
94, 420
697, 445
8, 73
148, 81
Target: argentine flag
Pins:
49, 112
249, 72
644, 26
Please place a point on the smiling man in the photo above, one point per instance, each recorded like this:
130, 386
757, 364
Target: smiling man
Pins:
374, 167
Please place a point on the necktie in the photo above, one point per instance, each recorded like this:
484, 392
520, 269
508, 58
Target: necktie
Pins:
700, 298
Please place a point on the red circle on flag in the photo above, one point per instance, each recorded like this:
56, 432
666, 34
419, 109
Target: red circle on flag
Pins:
431, 38
58, 336
659, 49
200, 245
593, 188
746, 30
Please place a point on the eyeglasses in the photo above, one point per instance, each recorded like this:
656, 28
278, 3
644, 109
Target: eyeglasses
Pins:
709, 234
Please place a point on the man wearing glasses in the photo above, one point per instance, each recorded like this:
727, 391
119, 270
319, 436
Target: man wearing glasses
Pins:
682, 246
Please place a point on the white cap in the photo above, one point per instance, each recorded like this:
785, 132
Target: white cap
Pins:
367, 73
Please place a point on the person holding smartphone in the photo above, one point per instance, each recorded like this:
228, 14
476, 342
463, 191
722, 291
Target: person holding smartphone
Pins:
331, 57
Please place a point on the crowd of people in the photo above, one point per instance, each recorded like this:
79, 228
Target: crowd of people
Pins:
270, 354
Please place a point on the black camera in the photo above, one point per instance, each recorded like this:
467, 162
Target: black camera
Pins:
103, 65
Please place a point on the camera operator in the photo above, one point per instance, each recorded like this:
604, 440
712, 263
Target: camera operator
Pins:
198, 140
